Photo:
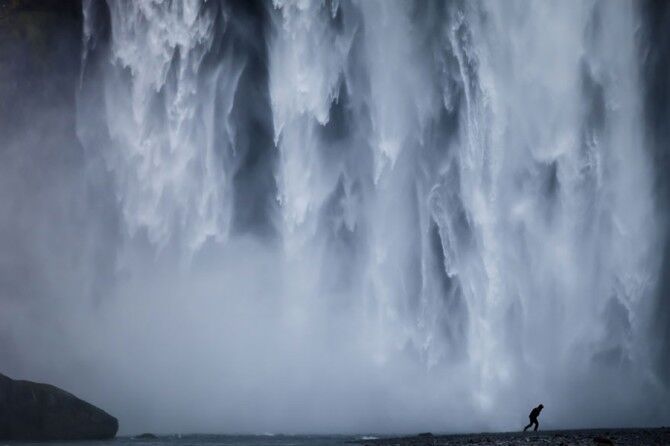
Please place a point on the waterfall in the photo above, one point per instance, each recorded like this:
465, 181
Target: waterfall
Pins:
454, 198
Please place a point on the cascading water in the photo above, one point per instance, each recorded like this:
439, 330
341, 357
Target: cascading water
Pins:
373, 215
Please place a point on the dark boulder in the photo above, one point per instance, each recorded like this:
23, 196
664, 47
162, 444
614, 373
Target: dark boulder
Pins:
34, 411
146, 436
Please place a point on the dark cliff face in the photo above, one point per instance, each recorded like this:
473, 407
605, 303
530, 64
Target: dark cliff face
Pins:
40, 155
655, 73
41, 180
42, 192
39, 64
33, 411
40, 49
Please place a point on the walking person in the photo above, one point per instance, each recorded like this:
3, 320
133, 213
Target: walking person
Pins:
533, 418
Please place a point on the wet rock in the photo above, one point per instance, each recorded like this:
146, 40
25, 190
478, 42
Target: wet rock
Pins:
146, 436
34, 411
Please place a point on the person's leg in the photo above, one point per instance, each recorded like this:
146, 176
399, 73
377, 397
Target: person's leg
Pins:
536, 425
529, 425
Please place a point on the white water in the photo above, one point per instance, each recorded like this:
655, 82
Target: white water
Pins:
461, 217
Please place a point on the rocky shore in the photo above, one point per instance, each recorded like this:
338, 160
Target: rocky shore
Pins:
595, 437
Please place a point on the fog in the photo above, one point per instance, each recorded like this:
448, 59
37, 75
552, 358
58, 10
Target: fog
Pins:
338, 217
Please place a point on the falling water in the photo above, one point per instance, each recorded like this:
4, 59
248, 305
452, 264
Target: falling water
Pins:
373, 215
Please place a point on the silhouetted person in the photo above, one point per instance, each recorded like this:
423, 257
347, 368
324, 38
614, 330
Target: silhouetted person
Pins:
533, 417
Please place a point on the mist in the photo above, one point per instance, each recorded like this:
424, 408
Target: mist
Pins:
338, 216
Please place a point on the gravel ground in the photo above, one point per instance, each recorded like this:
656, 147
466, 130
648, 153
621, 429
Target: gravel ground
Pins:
598, 437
